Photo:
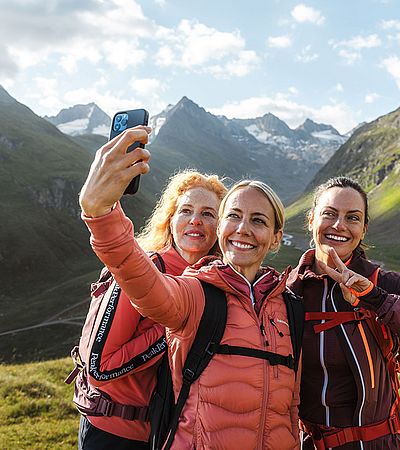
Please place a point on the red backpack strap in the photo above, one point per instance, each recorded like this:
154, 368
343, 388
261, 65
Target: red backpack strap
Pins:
333, 319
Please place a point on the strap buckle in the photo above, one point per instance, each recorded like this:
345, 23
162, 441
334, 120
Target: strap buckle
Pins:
105, 407
394, 424
291, 363
188, 375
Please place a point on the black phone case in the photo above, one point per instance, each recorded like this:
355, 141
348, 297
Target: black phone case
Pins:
132, 118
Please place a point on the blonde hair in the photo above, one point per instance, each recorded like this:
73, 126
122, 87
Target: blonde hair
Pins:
268, 192
156, 234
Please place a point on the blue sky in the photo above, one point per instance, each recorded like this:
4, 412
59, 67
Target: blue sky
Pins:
336, 62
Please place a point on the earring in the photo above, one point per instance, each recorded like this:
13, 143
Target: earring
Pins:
312, 243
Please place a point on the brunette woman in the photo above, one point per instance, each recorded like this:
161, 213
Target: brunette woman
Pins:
348, 401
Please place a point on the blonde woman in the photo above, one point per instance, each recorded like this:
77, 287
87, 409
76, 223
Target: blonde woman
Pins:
237, 403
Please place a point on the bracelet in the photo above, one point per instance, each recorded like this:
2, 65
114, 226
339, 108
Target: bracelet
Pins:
361, 294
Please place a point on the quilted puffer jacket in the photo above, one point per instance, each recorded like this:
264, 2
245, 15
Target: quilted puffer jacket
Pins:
238, 403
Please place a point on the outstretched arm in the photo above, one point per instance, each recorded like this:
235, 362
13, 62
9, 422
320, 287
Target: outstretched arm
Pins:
165, 299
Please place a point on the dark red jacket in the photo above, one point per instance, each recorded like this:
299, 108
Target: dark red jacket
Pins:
336, 384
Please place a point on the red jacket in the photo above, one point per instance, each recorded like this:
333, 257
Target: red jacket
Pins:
129, 351
238, 403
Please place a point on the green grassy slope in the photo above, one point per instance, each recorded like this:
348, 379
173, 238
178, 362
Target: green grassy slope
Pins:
36, 409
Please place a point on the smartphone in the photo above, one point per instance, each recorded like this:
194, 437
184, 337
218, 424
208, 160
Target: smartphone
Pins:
129, 119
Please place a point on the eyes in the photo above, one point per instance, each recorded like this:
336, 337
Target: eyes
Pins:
255, 219
352, 218
206, 213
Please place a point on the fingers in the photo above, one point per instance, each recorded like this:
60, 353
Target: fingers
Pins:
334, 274
347, 294
355, 278
127, 138
337, 261
346, 277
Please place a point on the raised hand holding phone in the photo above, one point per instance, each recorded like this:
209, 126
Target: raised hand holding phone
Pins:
129, 119
113, 169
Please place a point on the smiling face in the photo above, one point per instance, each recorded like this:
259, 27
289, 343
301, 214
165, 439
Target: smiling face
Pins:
194, 223
338, 221
246, 230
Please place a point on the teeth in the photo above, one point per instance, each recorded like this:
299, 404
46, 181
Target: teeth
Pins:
194, 234
241, 245
337, 238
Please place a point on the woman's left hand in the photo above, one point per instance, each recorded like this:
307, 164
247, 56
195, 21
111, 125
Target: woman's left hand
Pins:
351, 283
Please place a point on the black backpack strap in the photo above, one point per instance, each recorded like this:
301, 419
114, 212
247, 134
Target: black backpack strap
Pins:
273, 358
295, 313
210, 331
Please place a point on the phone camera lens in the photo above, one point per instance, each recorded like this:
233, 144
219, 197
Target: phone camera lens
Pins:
124, 122
117, 126
118, 118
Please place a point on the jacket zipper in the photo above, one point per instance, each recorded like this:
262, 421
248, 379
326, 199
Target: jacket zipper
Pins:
322, 357
353, 352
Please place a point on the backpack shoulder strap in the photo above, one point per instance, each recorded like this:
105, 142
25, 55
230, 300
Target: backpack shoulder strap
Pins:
374, 276
158, 261
210, 331
295, 313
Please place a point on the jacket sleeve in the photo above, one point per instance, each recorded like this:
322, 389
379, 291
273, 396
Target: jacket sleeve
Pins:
384, 299
166, 299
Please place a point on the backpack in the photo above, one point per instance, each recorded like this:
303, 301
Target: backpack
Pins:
388, 342
164, 412
88, 399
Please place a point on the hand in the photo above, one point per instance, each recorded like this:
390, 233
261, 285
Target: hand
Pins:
112, 170
350, 282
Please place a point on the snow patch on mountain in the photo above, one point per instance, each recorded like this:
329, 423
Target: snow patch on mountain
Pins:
82, 119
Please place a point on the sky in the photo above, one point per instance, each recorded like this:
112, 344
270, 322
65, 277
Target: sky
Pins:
333, 61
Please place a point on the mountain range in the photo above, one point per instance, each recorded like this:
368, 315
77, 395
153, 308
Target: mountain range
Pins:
45, 257
272, 149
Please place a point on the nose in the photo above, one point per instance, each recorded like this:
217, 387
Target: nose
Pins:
339, 223
243, 227
195, 219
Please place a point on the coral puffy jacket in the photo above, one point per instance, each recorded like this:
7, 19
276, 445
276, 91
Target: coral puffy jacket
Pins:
238, 403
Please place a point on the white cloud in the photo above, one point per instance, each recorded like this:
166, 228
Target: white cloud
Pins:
337, 114
392, 66
371, 97
306, 55
8, 68
165, 56
302, 13
146, 86
239, 66
94, 30
360, 42
350, 50
339, 87
391, 24
202, 49
279, 41
293, 90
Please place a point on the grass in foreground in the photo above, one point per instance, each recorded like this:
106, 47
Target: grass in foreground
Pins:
36, 409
